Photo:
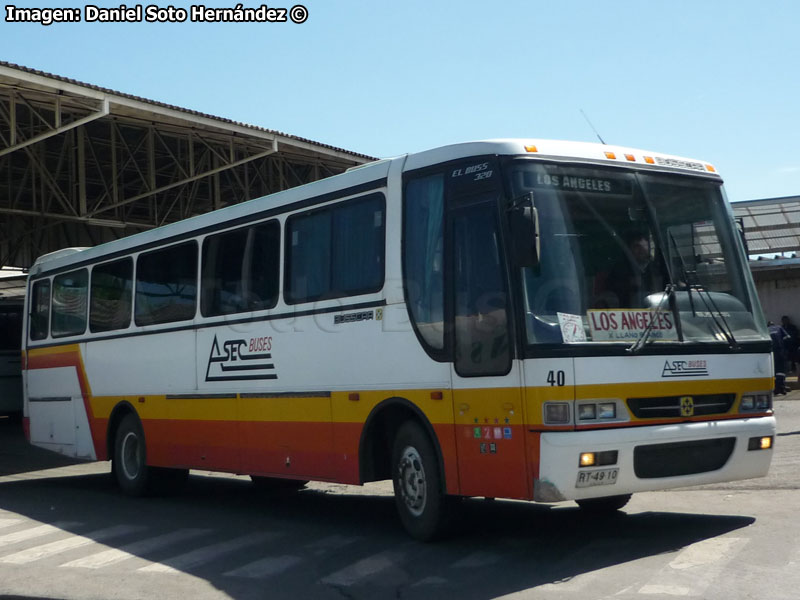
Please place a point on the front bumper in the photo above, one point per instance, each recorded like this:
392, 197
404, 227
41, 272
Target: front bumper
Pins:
560, 451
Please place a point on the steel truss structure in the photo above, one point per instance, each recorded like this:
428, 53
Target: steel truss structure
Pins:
81, 165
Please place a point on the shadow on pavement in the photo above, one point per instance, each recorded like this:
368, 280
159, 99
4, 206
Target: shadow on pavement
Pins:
498, 547
18, 456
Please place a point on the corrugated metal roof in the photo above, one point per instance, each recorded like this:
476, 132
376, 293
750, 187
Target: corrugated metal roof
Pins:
771, 225
180, 109
12, 284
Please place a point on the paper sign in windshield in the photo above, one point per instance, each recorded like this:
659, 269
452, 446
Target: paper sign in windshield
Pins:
629, 325
571, 328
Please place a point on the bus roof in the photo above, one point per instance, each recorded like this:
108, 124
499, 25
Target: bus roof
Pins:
379, 170
557, 149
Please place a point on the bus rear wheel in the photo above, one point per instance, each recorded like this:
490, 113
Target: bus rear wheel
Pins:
604, 506
417, 483
130, 457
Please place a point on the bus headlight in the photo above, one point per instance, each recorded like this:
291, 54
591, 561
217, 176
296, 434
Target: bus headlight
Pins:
587, 412
760, 402
597, 410
556, 413
607, 410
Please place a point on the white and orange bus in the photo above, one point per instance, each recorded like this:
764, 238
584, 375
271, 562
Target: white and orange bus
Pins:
523, 319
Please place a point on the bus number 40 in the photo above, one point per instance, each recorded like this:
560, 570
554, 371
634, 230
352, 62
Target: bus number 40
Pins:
556, 378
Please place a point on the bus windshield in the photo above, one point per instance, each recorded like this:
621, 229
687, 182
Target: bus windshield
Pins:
633, 256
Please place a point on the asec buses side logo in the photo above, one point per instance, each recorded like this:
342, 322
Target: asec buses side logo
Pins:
241, 360
685, 368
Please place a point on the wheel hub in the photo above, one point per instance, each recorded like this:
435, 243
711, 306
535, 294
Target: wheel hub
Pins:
411, 477
131, 459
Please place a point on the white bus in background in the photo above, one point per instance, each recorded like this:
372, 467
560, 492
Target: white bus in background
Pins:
527, 319
12, 293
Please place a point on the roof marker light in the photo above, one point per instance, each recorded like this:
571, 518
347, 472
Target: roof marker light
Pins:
630, 157
531, 149
649, 160
611, 155
710, 169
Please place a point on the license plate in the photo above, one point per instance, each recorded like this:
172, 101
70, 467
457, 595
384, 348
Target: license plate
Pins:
601, 477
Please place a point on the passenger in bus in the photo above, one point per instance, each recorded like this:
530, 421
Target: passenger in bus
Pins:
633, 277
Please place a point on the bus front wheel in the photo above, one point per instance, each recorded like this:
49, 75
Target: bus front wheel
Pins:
417, 483
130, 457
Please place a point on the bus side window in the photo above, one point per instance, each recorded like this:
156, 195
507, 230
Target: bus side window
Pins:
70, 296
336, 251
40, 310
166, 284
112, 296
241, 270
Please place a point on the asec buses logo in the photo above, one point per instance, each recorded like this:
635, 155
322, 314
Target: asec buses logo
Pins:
241, 360
685, 368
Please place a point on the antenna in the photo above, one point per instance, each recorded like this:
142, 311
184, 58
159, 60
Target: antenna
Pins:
592, 126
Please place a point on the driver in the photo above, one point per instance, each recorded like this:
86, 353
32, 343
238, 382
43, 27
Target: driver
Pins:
636, 275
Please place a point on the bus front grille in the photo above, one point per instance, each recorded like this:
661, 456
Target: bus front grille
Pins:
681, 458
671, 406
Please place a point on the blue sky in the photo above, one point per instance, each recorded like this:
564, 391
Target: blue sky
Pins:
712, 80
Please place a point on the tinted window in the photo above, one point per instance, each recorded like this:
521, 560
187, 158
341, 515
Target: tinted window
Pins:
70, 292
481, 317
423, 257
336, 251
166, 285
11, 327
40, 309
112, 296
240, 270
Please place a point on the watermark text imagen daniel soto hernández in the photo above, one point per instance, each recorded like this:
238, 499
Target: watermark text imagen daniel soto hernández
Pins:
154, 13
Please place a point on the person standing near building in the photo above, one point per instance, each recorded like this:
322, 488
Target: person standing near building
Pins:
793, 343
779, 338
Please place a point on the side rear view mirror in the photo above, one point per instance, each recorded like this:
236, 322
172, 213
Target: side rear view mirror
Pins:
524, 226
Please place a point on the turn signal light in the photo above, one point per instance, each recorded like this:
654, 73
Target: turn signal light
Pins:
760, 443
598, 459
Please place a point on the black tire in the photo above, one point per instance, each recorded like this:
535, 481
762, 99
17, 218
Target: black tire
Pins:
277, 484
604, 506
130, 457
418, 489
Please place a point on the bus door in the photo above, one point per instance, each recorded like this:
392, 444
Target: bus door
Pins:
486, 382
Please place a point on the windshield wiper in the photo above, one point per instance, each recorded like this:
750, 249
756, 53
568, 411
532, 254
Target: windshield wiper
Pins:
684, 271
636, 347
692, 281
724, 329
